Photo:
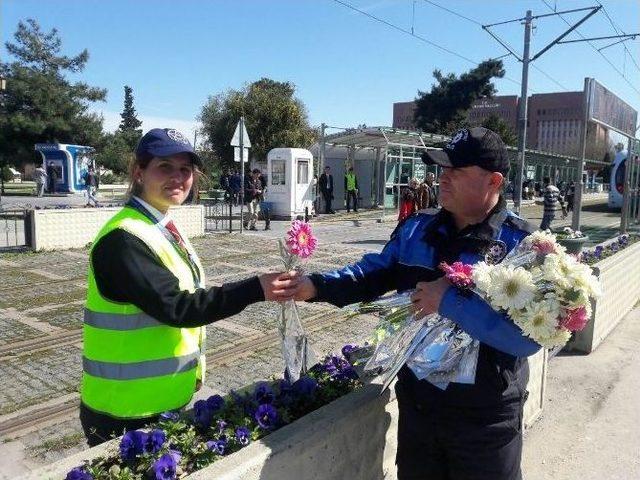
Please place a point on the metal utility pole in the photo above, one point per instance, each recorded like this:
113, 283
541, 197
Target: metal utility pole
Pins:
522, 113
526, 60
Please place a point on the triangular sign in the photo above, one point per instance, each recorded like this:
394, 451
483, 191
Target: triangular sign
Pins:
235, 141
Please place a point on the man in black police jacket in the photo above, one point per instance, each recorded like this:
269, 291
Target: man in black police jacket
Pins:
467, 431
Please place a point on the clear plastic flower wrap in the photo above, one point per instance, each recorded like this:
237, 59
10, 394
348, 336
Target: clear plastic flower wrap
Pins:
434, 347
296, 352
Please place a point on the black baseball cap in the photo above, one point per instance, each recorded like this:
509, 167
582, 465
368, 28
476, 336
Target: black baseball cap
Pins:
472, 146
164, 142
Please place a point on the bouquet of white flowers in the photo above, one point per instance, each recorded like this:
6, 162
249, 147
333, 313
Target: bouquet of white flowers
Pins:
544, 290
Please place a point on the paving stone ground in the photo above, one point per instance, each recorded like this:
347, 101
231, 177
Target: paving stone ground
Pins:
42, 294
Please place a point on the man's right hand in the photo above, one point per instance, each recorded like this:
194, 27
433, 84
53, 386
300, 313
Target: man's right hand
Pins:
305, 290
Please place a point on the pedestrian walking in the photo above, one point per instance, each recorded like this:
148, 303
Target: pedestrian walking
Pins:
225, 184
252, 197
427, 195
553, 202
40, 176
147, 305
351, 190
265, 207
91, 184
326, 188
235, 184
466, 431
408, 200
570, 195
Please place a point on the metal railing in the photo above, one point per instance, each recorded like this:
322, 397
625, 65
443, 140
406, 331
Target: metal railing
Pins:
219, 215
14, 229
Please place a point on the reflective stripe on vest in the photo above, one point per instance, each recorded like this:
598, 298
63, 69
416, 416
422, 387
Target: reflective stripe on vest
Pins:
109, 321
132, 371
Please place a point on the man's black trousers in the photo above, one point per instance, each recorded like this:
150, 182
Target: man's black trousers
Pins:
437, 443
328, 196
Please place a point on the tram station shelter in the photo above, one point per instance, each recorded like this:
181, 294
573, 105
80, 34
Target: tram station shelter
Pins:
385, 159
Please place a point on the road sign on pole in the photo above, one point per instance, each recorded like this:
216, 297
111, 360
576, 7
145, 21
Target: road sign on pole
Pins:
236, 154
240, 136
241, 141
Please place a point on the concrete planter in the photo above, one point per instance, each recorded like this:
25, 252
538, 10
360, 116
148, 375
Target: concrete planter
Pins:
353, 437
620, 292
573, 245
76, 227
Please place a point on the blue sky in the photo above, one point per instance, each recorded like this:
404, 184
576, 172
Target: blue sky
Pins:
348, 68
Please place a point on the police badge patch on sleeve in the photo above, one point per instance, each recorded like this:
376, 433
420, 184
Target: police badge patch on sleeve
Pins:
496, 252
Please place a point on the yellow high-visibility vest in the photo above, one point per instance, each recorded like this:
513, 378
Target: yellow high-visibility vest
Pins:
133, 365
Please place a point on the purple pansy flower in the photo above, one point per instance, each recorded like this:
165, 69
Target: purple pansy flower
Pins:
244, 401
266, 416
243, 435
305, 386
202, 415
218, 446
78, 473
155, 441
263, 393
165, 467
215, 403
221, 425
132, 444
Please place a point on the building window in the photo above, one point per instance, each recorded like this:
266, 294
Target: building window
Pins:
278, 170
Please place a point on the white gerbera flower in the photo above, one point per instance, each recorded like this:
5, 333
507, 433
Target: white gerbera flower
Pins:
581, 277
482, 275
558, 267
511, 288
540, 320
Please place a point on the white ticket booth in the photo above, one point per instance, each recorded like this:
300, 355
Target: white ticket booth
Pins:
290, 182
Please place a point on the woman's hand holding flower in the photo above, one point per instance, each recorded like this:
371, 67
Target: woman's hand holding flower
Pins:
280, 287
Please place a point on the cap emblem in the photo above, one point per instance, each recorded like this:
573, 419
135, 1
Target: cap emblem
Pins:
177, 136
460, 136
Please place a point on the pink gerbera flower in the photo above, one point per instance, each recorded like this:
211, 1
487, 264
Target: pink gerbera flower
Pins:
575, 320
459, 274
300, 240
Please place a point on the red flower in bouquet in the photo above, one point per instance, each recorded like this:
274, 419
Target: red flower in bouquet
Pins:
300, 240
575, 320
459, 274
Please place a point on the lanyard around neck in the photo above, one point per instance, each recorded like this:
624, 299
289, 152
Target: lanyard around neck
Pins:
182, 251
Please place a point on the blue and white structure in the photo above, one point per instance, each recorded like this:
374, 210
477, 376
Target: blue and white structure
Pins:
70, 161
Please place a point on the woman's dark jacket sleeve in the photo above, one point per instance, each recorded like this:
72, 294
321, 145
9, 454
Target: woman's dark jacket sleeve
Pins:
127, 271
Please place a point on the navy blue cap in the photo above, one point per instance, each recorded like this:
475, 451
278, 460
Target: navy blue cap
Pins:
477, 146
164, 142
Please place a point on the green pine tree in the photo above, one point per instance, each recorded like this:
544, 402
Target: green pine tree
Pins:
40, 105
444, 109
129, 128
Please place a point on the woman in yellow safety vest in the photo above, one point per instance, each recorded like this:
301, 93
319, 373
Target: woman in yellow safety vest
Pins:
146, 302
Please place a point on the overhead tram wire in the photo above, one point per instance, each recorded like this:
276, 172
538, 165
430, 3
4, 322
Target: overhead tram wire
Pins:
408, 32
615, 29
507, 44
595, 49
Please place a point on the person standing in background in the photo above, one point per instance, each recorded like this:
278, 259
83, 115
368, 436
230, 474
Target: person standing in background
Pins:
326, 188
40, 176
351, 189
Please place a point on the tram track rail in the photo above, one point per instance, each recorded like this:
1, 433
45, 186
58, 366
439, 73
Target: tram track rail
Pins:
29, 419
